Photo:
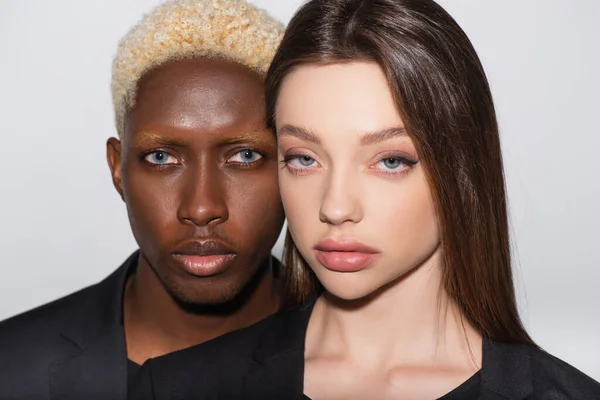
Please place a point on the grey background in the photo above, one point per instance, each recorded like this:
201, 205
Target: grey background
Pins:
64, 227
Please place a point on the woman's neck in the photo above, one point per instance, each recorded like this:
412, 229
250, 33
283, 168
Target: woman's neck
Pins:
410, 322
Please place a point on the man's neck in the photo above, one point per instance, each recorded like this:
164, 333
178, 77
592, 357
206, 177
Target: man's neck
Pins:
156, 324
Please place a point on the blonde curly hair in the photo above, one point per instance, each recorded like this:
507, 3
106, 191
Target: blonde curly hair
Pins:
180, 29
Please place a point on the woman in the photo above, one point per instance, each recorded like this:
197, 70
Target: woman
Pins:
392, 182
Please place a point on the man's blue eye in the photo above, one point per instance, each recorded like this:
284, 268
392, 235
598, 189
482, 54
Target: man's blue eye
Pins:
160, 158
245, 156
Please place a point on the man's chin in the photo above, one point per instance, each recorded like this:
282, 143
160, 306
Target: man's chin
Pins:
207, 300
223, 294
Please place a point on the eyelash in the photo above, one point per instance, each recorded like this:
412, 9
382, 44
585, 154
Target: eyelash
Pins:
285, 163
302, 171
408, 163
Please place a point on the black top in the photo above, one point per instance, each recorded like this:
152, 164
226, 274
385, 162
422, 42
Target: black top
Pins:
70, 349
132, 370
266, 361
469, 390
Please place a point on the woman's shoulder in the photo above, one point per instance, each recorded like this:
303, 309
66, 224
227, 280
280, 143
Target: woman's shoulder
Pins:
522, 371
556, 379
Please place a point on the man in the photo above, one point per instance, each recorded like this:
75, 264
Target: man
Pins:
197, 169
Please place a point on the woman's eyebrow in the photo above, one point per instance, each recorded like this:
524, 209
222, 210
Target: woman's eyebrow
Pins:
365, 139
300, 133
382, 135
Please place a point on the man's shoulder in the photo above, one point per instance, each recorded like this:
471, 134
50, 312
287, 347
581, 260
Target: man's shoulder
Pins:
553, 378
30, 342
39, 329
49, 317
45, 318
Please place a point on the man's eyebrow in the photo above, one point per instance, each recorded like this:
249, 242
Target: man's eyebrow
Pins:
251, 136
155, 137
300, 133
263, 138
382, 135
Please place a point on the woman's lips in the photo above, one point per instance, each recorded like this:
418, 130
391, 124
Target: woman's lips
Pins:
346, 255
345, 261
204, 265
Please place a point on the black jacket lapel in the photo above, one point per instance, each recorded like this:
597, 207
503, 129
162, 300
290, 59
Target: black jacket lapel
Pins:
506, 372
278, 369
98, 371
97, 367
280, 378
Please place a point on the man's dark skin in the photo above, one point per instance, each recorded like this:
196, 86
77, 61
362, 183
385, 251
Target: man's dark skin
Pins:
197, 169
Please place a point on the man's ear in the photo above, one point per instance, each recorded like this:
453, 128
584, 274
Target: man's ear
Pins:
113, 156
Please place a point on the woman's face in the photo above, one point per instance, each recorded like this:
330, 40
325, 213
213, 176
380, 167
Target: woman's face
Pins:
354, 191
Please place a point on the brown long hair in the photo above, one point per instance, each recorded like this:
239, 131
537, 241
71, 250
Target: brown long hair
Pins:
442, 93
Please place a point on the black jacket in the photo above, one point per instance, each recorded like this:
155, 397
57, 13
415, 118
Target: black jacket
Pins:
266, 361
70, 349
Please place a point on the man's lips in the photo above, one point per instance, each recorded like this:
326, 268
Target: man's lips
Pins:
204, 266
204, 258
204, 247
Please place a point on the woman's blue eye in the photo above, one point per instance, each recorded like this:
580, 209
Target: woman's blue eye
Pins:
306, 161
300, 162
245, 157
160, 158
392, 163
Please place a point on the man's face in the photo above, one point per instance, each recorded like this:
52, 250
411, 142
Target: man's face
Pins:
197, 169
